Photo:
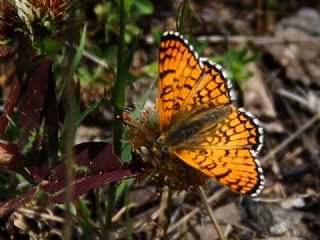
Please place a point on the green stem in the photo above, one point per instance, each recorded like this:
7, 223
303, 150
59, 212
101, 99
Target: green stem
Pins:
118, 94
128, 216
182, 15
70, 108
118, 100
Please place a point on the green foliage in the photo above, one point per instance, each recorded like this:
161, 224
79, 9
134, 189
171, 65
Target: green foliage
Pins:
88, 76
126, 149
83, 115
134, 9
31, 139
200, 46
273, 4
184, 13
85, 221
156, 35
80, 116
49, 46
235, 62
77, 58
9, 185
143, 100
13, 130
108, 14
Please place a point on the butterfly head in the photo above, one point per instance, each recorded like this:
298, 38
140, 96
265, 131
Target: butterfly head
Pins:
160, 165
160, 145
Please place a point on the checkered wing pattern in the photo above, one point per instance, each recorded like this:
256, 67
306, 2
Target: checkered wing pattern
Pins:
190, 89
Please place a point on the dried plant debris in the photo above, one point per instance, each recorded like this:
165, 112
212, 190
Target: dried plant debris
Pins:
300, 59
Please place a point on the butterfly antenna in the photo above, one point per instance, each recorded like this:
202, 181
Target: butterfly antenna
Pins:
128, 109
130, 105
132, 123
124, 141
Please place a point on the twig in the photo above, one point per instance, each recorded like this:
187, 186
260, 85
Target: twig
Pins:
195, 210
280, 200
291, 138
308, 100
228, 230
256, 40
90, 56
37, 215
211, 213
95, 59
117, 217
165, 214
143, 224
247, 39
214, 39
70, 108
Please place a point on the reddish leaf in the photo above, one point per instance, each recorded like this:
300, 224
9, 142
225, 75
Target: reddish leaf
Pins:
95, 157
9, 105
84, 184
33, 100
16, 49
6, 54
97, 166
52, 121
12, 204
38, 106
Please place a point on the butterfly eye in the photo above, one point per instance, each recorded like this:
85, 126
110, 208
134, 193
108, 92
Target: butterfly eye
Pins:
160, 141
164, 149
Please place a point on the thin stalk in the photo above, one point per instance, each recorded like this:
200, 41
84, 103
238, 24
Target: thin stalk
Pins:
128, 215
168, 210
118, 94
182, 13
118, 100
70, 108
211, 213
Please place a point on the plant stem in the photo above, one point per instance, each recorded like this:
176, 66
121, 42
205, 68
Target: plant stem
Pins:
70, 108
118, 94
118, 99
128, 216
211, 213
168, 210
182, 15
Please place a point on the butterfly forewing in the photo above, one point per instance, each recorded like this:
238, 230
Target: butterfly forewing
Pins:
179, 72
212, 90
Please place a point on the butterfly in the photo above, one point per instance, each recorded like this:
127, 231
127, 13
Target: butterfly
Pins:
197, 122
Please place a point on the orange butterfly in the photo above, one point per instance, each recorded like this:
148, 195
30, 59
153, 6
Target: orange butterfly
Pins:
196, 121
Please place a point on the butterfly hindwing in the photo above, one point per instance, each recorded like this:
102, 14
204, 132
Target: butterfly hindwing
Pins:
228, 151
236, 168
